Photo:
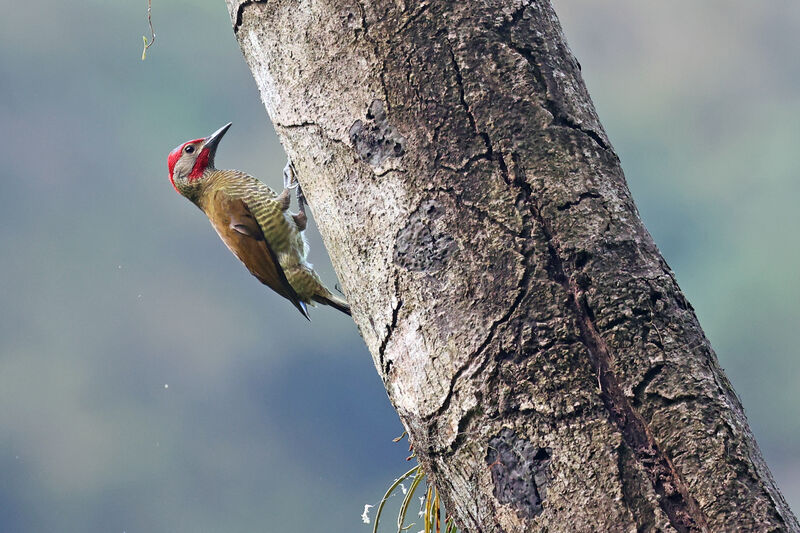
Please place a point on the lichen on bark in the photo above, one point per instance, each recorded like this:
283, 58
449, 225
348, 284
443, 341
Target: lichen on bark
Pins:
528, 331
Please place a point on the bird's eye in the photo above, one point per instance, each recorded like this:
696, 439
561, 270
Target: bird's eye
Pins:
189, 149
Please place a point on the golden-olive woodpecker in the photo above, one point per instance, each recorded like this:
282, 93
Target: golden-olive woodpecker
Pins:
253, 221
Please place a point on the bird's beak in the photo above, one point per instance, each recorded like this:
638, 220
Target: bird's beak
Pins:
212, 140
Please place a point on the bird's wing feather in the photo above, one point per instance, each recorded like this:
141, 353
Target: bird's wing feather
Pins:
241, 233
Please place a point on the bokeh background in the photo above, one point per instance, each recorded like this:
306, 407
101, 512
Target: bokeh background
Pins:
149, 384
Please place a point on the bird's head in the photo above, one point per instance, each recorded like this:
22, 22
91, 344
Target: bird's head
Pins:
189, 162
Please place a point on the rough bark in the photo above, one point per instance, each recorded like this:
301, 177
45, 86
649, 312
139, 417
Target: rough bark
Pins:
533, 340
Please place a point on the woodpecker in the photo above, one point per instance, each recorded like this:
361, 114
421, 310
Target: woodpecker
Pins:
253, 221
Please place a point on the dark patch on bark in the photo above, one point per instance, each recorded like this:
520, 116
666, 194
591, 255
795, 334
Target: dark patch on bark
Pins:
519, 472
375, 140
581, 258
421, 245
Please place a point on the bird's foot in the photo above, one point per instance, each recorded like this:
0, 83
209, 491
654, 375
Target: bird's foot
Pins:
284, 199
300, 218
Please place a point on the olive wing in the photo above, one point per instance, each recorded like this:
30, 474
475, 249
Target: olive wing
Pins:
239, 230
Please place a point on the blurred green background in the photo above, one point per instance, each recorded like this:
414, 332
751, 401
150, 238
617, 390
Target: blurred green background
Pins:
148, 383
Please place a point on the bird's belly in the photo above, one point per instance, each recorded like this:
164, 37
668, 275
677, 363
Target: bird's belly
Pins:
304, 281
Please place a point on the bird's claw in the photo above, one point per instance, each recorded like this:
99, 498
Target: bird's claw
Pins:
290, 181
290, 176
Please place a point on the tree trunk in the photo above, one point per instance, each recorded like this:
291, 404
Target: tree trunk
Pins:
534, 342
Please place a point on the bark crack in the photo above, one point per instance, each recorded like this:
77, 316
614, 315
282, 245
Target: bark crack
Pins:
647, 379
382, 173
377, 51
237, 21
385, 367
582, 197
560, 116
675, 500
467, 165
521, 292
470, 116
304, 124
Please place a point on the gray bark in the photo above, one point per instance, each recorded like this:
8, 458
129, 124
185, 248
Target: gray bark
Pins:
534, 342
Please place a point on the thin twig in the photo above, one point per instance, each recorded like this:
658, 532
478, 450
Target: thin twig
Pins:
152, 31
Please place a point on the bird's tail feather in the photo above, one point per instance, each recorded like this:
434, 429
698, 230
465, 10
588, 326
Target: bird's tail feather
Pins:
333, 301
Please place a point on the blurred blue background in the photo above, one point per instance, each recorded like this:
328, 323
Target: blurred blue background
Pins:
148, 383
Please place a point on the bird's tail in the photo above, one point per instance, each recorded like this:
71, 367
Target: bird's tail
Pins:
334, 301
